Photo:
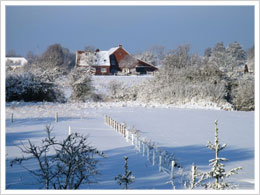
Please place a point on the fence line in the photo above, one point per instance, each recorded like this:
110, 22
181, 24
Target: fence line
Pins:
164, 161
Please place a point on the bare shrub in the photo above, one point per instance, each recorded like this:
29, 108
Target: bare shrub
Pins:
65, 164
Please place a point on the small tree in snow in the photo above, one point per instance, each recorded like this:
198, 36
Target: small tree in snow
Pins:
218, 172
127, 178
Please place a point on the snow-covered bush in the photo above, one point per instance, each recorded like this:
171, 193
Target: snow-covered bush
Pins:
82, 88
182, 85
65, 164
243, 94
114, 87
28, 87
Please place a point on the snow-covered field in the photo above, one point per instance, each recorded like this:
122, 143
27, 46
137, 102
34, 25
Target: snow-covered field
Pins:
181, 131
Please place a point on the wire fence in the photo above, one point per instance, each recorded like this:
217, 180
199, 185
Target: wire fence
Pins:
163, 159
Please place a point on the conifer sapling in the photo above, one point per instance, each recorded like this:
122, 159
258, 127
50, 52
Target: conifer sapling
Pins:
218, 172
127, 178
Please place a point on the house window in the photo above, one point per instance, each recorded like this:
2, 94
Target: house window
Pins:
103, 70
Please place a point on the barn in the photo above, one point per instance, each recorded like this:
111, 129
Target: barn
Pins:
113, 61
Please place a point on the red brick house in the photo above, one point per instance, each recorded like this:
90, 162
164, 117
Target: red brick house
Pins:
111, 62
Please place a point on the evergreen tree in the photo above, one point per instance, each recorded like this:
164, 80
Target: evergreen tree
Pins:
127, 178
218, 172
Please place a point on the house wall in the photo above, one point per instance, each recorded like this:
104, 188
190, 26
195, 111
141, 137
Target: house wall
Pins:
120, 53
99, 72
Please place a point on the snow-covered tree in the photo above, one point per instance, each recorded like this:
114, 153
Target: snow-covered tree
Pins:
250, 59
218, 172
218, 56
177, 58
129, 62
81, 83
147, 56
227, 58
127, 178
236, 56
65, 164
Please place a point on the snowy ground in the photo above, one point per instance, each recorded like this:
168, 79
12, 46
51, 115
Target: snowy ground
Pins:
182, 131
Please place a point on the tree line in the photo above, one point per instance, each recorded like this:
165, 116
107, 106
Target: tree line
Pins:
223, 75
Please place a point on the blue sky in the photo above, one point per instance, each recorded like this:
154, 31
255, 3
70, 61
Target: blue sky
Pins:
136, 28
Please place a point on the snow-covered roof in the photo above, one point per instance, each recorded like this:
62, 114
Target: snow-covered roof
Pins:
16, 61
100, 58
112, 50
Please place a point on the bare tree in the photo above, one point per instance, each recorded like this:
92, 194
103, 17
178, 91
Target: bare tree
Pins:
12, 53
72, 164
90, 48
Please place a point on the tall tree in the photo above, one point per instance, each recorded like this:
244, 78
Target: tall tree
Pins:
218, 56
236, 56
53, 56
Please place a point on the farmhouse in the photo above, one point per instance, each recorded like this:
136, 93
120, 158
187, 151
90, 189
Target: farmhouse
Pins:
113, 61
15, 62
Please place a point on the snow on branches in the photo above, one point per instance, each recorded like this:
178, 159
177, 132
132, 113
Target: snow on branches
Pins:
218, 172
127, 178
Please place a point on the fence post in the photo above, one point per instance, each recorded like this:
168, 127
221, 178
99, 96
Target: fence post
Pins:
160, 163
172, 169
127, 134
12, 117
124, 130
148, 152
69, 130
143, 149
136, 142
57, 117
139, 145
154, 157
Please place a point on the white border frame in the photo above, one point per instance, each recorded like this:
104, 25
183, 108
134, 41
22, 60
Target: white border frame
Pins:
129, 3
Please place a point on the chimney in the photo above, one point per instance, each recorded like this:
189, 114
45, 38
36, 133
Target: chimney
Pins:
120, 45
